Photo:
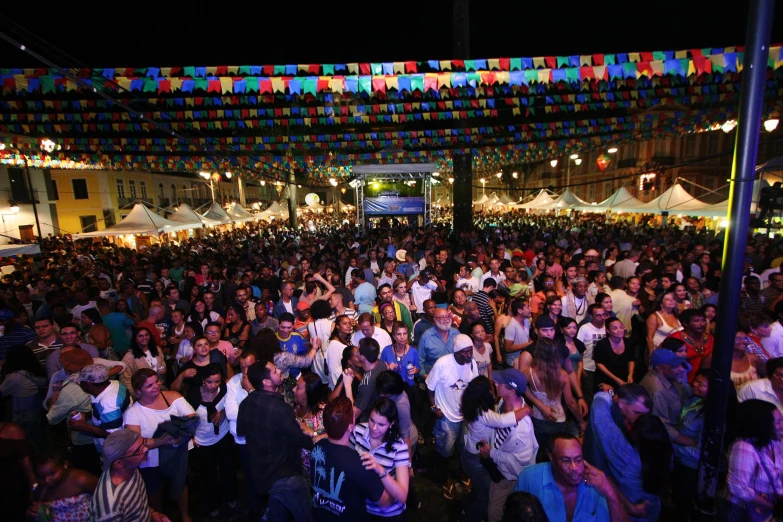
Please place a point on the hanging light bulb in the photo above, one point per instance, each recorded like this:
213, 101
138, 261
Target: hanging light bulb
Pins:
229, 175
728, 126
578, 161
771, 124
514, 175
612, 150
553, 163
574, 156
499, 175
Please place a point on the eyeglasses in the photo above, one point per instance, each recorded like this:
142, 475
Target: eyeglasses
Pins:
136, 453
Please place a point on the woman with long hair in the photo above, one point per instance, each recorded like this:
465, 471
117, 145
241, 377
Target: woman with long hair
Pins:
663, 322
548, 387
151, 408
481, 421
649, 292
400, 356
321, 328
605, 301
693, 286
200, 315
563, 284
22, 377
457, 308
639, 462
745, 366
710, 312
236, 329
568, 331
612, 254
613, 356
214, 448
482, 350
309, 401
158, 291
61, 494
97, 334
401, 294
755, 479
388, 317
553, 307
338, 342
391, 386
192, 372
143, 353
682, 297
383, 451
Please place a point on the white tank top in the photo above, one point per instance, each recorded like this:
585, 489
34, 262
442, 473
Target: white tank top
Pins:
664, 330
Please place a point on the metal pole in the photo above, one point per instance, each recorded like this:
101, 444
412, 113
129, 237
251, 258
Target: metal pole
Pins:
33, 201
741, 192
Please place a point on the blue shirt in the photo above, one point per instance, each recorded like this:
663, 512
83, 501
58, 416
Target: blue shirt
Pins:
296, 345
117, 322
364, 297
432, 347
538, 480
411, 356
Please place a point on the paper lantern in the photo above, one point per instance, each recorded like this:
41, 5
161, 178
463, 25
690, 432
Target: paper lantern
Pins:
603, 161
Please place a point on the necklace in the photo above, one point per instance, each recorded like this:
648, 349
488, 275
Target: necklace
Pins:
580, 307
698, 348
398, 355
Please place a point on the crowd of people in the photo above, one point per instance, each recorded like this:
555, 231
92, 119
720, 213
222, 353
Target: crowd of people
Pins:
542, 368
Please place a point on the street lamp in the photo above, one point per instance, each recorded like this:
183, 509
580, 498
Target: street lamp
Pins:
483, 183
553, 163
576, 159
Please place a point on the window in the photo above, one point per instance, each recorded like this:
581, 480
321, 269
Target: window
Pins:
19, 192
143, 187
54, 195
88, 223
120, 189
51, 186
80, 189
132, 188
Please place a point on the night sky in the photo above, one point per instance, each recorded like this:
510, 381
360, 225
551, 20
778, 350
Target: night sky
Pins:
177, 33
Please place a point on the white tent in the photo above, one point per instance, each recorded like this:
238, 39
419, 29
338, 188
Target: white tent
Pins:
239, 214
542, 199
675, 200
620, 199
568, 200
483, 199
140, 220
506, 200
274, 209
185, 214
216, 213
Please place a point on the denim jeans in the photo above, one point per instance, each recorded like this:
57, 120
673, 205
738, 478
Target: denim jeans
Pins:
478, 500
253, 503
290, 496
446, 434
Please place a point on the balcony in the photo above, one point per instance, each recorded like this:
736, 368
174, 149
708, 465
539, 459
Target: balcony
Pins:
124, 203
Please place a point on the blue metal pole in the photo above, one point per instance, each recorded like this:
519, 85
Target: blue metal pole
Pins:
742, 177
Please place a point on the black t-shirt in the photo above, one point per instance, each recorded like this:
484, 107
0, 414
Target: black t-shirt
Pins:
617, 364
272, 284
341, 485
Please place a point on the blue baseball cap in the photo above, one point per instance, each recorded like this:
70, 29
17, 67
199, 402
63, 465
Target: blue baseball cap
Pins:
662, 356
512, 378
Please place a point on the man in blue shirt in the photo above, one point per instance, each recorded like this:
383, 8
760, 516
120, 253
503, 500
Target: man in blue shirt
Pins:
570, 489
437, 342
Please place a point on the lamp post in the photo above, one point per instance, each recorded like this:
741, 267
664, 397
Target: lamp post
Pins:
575, 158
483, 183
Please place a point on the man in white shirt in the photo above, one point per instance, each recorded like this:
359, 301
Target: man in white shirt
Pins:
494, 272
624, 306
237, 389
575, 302
467, 282
446, 382
366, 323
421, 289
769, 389
590, 333
774, 343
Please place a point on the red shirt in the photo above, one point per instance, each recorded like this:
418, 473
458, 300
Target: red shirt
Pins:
695, 357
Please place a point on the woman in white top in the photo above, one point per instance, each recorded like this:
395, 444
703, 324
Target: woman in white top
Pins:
143, 353
339, 341
321, 328
662, 323
213, 448
201, 316
482, 350
152, 407
745, 366
481, 421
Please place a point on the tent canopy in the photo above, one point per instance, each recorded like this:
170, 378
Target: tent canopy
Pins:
185, 214
237, 213
540, 201
568, 200
140, 220
619, 200
216, 213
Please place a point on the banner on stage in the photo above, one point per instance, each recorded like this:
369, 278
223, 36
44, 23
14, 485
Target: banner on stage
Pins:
393, 205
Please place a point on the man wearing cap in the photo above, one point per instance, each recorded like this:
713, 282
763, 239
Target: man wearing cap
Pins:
109, 401
662, 382
302, 320
67, 398
446, 382
515, 447
121, 495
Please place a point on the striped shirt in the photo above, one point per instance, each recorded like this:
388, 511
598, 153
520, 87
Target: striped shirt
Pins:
19, 335
481, 298
390, 460
107, 409
124, 503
